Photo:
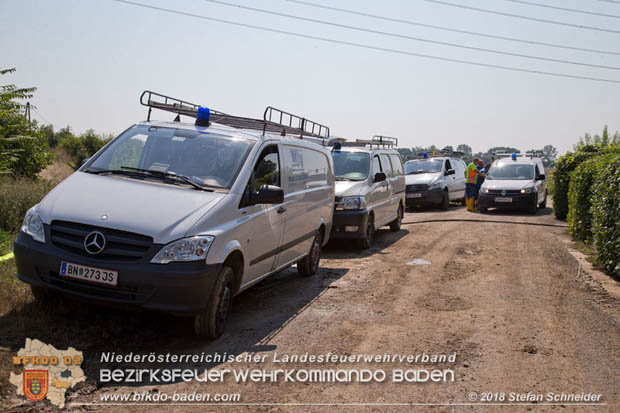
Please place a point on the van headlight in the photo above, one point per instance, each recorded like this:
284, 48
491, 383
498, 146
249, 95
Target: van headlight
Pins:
434, 185
485, 190
527, 190
33, 225
186, 249
351, 202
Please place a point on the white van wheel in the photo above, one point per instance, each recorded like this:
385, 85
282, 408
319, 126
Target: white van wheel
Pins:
395, 225
309, 264
211, 321
366, 242
445, 201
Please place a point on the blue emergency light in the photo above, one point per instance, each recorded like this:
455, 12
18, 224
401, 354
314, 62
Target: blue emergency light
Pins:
514, 156
202, 117
337, 146
425, 155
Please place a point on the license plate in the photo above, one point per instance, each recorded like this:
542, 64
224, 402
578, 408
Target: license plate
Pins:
82, 272
414, 195
503, 199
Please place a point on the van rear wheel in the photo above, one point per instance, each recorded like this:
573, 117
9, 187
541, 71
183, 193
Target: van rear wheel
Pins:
211, 321
309, 264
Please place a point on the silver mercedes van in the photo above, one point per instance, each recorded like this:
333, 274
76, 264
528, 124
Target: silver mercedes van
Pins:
370, 188
181, 217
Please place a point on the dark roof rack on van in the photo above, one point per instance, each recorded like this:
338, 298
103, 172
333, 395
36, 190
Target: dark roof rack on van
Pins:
435, 154
377, 141
274, 120
528, 154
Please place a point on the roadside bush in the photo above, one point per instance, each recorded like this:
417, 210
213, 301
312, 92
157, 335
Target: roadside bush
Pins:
16, 197
606, 212
561, 180
82, 147
580, 199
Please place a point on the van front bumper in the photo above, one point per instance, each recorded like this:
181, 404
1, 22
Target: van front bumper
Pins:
179, 288
519, 201
349, 224
425, 197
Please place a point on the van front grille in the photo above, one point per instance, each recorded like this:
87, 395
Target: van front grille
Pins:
120, 245
417, 187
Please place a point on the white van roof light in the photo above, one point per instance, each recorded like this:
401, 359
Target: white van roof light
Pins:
528, 154
436, 154
274, 120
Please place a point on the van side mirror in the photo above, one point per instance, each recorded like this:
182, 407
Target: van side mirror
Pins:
541, 177
380, 177
450, 172
268, 194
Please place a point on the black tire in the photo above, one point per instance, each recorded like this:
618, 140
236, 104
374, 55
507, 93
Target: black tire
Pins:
309, 264
211, 321
463, 202
533, 207
484, 210
544, 203
395, 225
366, 242
445, 201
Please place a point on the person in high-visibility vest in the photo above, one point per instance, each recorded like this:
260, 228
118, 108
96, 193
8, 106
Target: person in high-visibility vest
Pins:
471, 178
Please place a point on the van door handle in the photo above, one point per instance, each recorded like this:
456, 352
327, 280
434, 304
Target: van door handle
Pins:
281, 210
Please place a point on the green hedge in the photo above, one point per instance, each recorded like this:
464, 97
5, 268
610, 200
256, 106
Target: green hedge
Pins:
606, 212
561, 180
580, 199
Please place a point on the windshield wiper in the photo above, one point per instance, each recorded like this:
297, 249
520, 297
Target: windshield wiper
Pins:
172, 175
114, 171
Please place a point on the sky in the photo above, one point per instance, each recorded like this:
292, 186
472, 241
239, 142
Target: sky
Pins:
91, 59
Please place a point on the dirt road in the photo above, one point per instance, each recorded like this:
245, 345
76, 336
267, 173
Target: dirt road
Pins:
505, 295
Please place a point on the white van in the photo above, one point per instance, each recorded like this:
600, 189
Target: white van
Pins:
370, 189
435, 180
514, 182
180, 217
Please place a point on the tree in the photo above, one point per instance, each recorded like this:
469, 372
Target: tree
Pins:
466, 149
23, 149
549, 155
448, 148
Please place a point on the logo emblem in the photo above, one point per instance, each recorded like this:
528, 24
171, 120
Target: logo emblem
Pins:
36, 384
503, 192
94, 243
104, 217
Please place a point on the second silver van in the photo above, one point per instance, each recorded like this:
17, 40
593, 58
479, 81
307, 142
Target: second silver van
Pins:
370, 189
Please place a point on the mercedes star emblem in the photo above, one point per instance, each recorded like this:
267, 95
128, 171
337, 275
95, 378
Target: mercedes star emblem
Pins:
503, 193
94, 243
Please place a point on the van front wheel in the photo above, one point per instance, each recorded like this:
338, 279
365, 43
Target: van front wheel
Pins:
211, 321
309, 264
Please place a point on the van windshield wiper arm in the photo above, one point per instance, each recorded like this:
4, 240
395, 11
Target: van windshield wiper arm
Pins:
172, 175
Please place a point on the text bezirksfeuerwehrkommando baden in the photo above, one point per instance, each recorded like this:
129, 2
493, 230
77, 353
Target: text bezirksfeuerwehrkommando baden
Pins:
274, 357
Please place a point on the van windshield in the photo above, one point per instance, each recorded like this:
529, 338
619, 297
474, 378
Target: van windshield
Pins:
423, 166
351, 166
207, 159
511, 172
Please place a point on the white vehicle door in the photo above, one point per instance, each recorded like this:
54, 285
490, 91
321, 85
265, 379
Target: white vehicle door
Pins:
305, 175
378, 193
391, 206
265, 222
459, 178
450, 180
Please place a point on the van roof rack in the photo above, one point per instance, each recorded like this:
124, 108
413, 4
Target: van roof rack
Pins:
528, 154
436, 154
377, 141
274, 120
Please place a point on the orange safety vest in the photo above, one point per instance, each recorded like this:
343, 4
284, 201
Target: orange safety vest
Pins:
471, 174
